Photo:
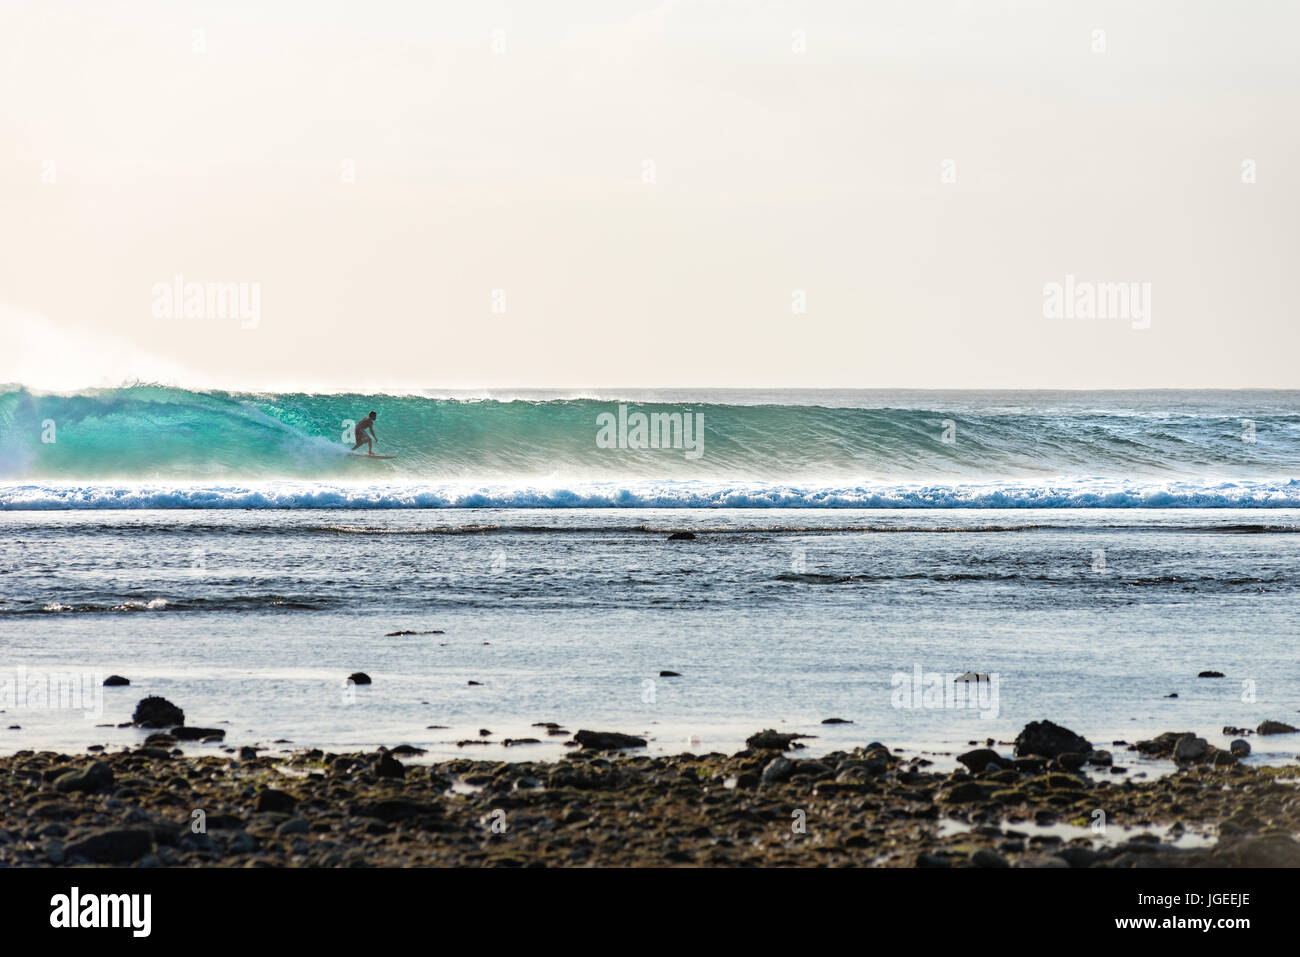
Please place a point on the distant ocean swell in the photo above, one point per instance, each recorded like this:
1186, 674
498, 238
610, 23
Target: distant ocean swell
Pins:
297, 495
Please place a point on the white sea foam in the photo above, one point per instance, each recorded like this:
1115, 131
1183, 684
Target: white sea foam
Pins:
1063, 493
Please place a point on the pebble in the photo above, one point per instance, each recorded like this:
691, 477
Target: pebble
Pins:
607, 808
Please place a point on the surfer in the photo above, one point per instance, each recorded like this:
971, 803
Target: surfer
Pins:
365, 433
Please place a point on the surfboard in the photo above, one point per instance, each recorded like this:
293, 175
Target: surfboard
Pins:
367, 455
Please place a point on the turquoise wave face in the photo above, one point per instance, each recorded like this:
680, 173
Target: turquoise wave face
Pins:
145, 433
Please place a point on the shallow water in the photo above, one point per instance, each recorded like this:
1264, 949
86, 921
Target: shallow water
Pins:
251, 620
1109, 834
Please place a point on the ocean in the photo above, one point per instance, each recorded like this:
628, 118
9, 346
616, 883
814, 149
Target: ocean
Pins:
855, 553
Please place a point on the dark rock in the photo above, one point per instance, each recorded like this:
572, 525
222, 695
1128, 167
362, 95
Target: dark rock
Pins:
1049, 740
359, 678
112, 846
1059, 780
474, 682
195, 734
408, 750
669, 674
1191, 748
1262, 850
1210, 674
967, 791
1072, 760
1275, 727
115, 681
511, 742
395, 810
269, 799
987, 858
160, 739
1162, 746
682, 537
155, 712
388, 766
836, 721
97, 776
1077, 856
981, 758
1239, 747
772, 740
214, 822
1220, 758
607, 740
777, 770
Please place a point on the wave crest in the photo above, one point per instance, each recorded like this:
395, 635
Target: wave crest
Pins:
154, 433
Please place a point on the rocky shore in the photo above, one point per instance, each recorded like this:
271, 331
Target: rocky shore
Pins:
1053, 801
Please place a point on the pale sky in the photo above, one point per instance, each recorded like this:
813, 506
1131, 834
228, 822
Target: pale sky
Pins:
794, 146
